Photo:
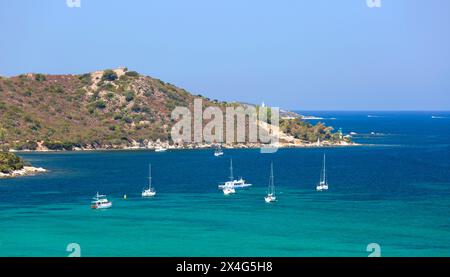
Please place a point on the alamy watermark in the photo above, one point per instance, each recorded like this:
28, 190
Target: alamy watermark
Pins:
243, 124
74, 249
374, 249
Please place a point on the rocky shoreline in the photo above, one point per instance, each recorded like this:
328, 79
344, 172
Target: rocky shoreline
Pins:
25, 171
166, 145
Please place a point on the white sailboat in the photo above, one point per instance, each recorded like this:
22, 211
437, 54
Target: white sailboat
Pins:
218, 151
100, 202
228, 187
160, 149
150, 191
233, 183
323, 185
270, 197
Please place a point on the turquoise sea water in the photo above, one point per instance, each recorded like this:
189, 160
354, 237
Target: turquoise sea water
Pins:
395, 192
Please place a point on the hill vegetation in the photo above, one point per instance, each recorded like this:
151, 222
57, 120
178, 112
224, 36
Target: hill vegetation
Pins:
10, 162
307, 132
103, 109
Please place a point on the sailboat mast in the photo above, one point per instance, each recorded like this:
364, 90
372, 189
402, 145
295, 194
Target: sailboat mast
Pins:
271, 184
150, 176
231, 170
324, 169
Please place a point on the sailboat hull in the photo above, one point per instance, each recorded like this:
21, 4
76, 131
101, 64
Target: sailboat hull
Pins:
102, 206
270, 199
228, 191
322, 187
237, 186
148, 193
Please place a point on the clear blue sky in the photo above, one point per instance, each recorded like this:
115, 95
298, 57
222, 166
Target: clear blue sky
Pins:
309, 55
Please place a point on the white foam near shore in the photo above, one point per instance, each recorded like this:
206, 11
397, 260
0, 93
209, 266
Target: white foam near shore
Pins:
25, 171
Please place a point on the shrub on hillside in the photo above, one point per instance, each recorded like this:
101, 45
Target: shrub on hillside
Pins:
129, 96
128, 119
100, 104
109, 75
40, 77
132, 74
85, 78
136, 108
28, 145
10, 162
59, 145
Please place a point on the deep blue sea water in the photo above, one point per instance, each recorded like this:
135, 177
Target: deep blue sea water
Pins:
395, 192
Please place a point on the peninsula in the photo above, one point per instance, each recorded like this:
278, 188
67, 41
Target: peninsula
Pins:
115, 109
12, 166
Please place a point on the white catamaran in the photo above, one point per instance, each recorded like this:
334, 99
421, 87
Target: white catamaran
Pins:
100, 202
270, 197
323, 185
150, 191
234, 183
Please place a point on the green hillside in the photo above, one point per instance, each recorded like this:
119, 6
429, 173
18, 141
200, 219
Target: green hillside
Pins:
103, 108
10, 162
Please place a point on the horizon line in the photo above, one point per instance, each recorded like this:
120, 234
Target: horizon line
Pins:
381, 110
